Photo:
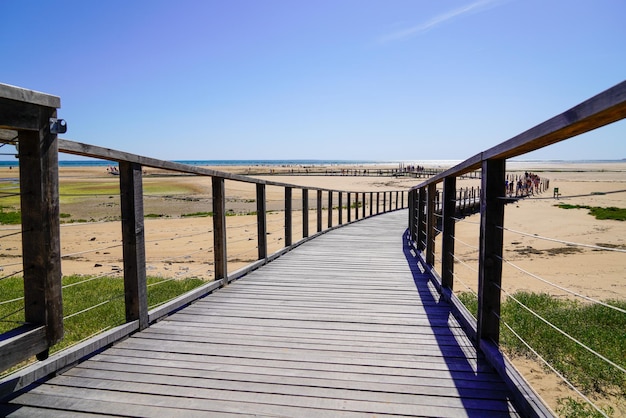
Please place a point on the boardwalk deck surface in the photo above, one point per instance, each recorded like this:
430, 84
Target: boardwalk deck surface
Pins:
341, 326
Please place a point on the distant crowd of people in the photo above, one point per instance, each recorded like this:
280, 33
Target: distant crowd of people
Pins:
523, 185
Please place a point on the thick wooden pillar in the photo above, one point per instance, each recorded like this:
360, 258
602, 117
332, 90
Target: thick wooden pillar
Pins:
134, 246
490, 254
219, 230
261, 221
41, 248
447, 239
288, 216
412, 215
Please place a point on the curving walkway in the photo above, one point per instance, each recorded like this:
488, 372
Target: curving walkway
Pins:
341, 326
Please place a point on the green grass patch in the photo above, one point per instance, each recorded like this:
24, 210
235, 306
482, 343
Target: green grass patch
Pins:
612, 212
601, 328
10, 217
107, 291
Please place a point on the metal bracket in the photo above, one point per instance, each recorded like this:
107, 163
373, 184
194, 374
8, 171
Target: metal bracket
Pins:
58, 126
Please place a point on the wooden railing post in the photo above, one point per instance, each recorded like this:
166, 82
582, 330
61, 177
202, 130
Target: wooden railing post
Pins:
349, 211
421, 219
219, 230
330, 208
319, 211
397, 194
490, 254
340, 204
261, 221
363, 211
412, 230
430, 224
133, 243
305, 213
288, 216
384, 202
377, 203
447, 240
371, 203
356, 206
41, 248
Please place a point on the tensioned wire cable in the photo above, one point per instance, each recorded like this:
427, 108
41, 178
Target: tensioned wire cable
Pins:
581, 344
576, 244
547, 364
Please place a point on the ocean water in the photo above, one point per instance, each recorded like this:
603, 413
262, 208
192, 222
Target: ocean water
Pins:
305, 163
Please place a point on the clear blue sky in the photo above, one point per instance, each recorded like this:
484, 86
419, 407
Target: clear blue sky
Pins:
339, 79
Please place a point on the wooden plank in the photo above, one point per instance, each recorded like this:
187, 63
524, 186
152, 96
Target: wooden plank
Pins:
27, 96
21, 343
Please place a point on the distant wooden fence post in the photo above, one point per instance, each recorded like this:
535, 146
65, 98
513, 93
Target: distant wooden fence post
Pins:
319, 211
288, 217
490, 254
219, 230
430, 224
305, 213
447, 240
133, 243
261, 221
41, 248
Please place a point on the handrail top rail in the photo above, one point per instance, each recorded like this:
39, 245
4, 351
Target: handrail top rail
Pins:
602, 109
94, 151
23, 95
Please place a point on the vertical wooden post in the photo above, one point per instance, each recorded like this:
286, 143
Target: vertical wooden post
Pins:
319, 211
430, 223
447, 240
349, 211
134, 246
340, 204
219, 230
397, 194
377, 203
421, 219
384, 202
412, 232
330, 208
356, 206
490, 255
363, 211
41, 248
371, 203
288, 217
305, 213
261, 221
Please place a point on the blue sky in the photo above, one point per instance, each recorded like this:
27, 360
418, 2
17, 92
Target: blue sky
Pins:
342, 79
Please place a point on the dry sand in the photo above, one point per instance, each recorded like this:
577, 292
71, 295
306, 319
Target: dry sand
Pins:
181, 247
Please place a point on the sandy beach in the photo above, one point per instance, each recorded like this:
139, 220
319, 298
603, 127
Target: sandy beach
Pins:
538, 234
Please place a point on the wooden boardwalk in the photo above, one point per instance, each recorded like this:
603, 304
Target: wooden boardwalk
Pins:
341, 326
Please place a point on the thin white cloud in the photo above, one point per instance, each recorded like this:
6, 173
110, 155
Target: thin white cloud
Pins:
438, 20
